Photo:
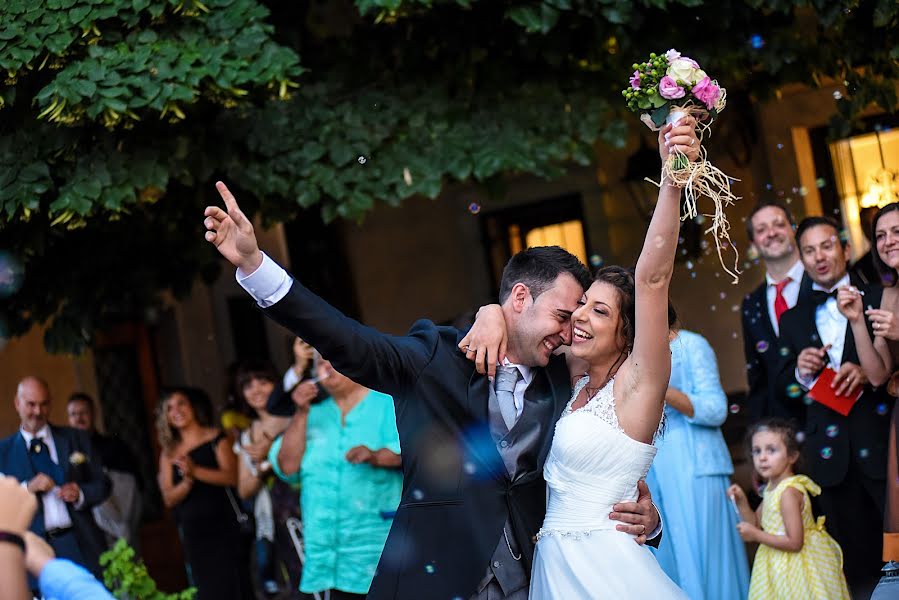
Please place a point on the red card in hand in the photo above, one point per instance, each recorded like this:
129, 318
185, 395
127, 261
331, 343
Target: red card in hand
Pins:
824, 394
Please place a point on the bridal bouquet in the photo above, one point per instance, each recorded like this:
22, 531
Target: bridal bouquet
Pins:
665, 89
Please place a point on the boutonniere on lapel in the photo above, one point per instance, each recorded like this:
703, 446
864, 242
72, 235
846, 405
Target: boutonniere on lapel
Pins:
77, 459
78, 463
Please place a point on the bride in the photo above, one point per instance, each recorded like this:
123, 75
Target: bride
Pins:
603, 443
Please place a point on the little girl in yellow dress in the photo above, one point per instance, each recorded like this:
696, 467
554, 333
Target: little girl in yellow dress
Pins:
797, 558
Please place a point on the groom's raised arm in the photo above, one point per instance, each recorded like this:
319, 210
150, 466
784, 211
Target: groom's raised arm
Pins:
365, 355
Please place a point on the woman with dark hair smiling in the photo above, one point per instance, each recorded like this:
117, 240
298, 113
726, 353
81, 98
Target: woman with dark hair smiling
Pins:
879, 356
273, 500
197, 471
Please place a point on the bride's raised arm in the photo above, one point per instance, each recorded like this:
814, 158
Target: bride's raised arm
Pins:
647, 369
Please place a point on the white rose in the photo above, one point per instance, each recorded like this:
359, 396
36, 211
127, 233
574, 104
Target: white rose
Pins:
683, 69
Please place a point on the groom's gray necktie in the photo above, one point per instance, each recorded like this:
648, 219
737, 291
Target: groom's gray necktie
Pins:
506, 378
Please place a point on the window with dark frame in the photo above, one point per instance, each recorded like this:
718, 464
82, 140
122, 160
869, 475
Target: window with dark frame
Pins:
555, 221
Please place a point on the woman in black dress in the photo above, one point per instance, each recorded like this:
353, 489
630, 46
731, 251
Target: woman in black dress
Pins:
197, 471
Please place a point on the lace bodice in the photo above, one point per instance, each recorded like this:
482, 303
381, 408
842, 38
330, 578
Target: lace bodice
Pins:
592, 465
602, 405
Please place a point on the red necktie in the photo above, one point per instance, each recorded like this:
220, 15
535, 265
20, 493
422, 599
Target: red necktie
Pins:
780, 303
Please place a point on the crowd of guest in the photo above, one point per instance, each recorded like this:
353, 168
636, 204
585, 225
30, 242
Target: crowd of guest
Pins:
235, 497
291, 492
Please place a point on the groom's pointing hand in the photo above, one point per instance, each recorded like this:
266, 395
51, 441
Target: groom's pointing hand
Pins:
232, 233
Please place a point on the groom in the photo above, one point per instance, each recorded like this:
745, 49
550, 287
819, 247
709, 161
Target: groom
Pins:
473, 489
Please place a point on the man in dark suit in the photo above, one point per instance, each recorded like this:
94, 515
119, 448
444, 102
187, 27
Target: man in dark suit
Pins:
845, 455
118, 516
473, 488
770, 231
60, 466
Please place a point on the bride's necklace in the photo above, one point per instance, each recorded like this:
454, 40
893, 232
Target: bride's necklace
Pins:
610, 375
592, 391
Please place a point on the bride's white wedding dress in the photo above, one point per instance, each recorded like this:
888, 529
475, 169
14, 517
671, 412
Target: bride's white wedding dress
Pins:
591, 466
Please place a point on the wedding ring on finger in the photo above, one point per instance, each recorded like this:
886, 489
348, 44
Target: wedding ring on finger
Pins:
642, 529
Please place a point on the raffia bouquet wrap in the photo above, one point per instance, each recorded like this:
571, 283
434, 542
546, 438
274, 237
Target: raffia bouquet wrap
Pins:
663, 90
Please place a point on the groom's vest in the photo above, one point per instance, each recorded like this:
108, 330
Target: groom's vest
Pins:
518, 448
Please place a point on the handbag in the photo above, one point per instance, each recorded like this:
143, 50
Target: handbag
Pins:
244, 523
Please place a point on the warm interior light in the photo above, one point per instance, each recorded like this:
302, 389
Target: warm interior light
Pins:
866, 173
568, 235
882, 189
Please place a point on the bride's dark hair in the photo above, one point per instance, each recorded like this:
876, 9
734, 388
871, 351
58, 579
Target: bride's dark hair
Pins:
623, 281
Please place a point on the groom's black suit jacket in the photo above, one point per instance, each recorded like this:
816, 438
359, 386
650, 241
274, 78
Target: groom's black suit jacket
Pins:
456, 491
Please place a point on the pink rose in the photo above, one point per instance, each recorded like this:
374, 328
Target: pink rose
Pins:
669, 89
635, 80
707, 92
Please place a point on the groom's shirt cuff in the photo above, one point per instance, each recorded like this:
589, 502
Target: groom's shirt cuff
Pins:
658, 530
268, 284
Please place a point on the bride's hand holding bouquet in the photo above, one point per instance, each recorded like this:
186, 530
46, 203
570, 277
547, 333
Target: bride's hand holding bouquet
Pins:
666, 89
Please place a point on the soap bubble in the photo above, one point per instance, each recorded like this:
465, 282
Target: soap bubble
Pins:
734, 409
12, 274
596, 260
826, 452
762, 346
757, 42
361, 160
832, 431
882, 409
793, 390
474, 208
837, 94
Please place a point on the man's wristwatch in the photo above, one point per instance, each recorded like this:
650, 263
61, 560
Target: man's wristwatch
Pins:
12, 538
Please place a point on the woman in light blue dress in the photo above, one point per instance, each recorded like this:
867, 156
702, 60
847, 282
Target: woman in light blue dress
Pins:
700, 549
